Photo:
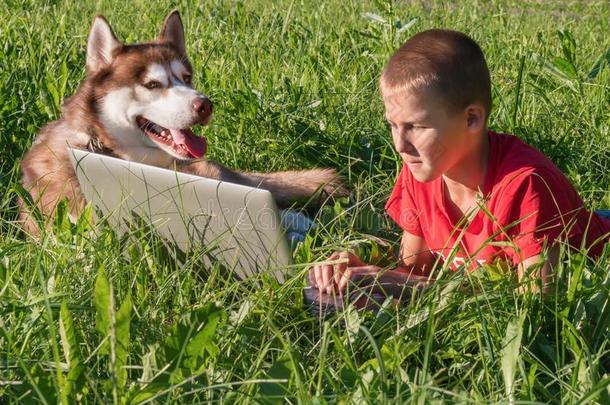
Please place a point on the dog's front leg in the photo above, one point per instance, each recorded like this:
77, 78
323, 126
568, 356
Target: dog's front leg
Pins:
287, 187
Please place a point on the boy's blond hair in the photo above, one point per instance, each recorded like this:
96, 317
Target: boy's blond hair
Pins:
449, 63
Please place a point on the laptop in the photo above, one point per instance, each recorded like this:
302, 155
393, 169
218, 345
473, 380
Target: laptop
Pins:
237, 226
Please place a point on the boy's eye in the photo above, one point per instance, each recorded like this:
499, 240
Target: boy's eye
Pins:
153, 84
405, 127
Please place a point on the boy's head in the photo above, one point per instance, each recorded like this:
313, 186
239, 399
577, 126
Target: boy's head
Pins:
449, 64
436, 90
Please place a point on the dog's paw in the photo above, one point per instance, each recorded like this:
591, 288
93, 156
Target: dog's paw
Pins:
333, 185
330, 187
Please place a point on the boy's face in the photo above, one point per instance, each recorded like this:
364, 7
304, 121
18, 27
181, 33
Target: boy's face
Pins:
430, 140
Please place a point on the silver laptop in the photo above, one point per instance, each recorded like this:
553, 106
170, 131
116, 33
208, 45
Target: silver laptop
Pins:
236, 226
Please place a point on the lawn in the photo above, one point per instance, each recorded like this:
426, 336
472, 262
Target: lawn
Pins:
88, 316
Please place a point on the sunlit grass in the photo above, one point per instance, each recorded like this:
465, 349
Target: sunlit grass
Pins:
294, 85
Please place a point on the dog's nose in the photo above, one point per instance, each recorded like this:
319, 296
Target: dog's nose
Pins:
203, 106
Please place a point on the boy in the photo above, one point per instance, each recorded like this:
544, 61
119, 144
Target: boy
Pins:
462, 186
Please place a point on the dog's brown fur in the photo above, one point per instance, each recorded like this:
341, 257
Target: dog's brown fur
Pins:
49, 176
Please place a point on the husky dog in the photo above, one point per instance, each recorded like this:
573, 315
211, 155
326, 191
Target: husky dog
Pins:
137, 103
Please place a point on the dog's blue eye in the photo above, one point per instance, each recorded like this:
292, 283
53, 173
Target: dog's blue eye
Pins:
153, 84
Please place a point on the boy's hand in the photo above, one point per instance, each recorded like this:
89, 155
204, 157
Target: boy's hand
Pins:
337, 270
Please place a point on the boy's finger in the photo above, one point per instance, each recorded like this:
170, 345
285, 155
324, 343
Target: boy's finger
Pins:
312, 277
327, 273
339, 270
345, 276
364, 270
344, 256
318, 276
354, 260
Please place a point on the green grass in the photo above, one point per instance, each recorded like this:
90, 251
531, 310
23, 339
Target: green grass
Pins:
107, 319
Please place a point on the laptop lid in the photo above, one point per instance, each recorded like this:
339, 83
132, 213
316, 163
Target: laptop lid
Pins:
239, 226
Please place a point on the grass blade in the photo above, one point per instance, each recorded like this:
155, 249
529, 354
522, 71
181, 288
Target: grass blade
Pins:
71, 352
123, 318
509, 355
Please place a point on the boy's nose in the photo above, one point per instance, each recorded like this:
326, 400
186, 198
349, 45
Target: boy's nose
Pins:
404, 146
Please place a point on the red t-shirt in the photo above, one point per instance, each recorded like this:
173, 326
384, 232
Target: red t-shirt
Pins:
529, 203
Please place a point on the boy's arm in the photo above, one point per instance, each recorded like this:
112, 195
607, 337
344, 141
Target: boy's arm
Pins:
416, 260
544, 273
415, 255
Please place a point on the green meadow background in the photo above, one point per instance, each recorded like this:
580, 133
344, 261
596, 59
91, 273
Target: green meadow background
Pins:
87, 316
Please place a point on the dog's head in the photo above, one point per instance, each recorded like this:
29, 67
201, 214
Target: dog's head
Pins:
143, 96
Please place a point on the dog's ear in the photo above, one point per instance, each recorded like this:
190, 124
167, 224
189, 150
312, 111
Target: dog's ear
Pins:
101, 44
173, 31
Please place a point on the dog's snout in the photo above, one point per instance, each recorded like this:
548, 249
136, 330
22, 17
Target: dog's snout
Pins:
203, 106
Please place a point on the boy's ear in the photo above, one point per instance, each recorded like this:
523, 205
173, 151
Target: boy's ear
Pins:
475, 117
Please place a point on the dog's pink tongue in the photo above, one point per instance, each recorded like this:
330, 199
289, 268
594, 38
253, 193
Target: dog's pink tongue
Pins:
197, 146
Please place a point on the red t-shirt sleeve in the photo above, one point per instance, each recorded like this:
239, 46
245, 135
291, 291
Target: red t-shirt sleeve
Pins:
537, 210
401, 206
